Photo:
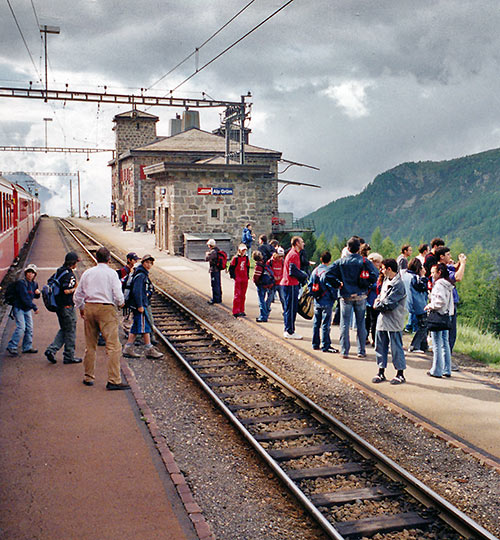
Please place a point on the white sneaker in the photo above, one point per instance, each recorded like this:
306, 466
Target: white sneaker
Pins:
292, 336
129, 352
153, 352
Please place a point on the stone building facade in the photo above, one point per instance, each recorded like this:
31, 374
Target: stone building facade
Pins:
191, 159
211, 200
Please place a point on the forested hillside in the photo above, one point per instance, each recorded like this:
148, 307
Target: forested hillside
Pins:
459, 198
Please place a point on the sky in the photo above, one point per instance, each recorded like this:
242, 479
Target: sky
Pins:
352, 87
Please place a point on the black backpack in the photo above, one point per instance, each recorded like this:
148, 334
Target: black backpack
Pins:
267, 278
10, 294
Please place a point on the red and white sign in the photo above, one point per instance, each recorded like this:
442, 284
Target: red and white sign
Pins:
204, 191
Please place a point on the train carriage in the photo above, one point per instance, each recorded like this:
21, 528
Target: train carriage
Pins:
19, 212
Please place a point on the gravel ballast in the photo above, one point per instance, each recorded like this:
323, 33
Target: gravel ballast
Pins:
239, 498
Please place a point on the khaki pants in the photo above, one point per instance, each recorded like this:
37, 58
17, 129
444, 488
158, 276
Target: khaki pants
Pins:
103, 318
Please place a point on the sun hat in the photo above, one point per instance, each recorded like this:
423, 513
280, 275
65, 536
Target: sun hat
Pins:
31, 268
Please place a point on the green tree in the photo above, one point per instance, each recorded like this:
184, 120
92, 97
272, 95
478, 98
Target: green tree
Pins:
336, 247
376, 240
321, 246
479, 290
388, 248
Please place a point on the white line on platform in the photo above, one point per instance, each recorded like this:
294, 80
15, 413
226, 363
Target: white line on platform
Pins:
176, 268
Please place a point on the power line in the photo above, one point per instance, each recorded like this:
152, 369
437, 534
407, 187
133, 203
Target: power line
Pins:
232, 45
24, 41
203, 44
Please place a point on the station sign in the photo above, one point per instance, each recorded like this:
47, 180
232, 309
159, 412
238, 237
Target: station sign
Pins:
215, 191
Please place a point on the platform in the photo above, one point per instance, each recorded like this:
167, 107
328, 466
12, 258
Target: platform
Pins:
76, 462
465, 407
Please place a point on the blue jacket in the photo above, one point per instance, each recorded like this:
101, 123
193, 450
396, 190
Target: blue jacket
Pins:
347, 270
246, 237
142, 288
331, 293
418, 294
25, 293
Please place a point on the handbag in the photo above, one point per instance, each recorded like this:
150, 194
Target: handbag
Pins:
436, 322
306, 304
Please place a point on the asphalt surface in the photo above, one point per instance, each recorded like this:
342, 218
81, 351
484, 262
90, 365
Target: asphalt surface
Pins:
76, 462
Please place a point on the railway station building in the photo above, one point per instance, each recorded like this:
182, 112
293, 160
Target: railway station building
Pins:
184, 183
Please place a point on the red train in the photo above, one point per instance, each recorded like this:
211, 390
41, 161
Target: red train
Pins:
19, 212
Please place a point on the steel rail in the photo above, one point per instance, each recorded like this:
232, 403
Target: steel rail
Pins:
459, 521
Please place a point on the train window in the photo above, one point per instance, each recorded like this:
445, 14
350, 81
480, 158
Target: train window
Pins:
1, 212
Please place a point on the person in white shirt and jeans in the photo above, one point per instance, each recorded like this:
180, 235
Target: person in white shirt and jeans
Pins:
98, 296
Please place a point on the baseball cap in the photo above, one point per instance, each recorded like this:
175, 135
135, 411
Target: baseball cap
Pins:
147, 258
211, 242
71, 258
280, 251
132, 256
31, 268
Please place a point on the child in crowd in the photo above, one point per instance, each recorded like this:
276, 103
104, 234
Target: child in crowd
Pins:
239, 270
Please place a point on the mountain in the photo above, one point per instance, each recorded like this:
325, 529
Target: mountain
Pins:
31, 185
459, 198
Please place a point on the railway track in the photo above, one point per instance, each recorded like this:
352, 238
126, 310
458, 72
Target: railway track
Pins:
347, 485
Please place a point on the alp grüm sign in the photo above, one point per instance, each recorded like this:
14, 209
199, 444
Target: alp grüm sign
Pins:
215, 191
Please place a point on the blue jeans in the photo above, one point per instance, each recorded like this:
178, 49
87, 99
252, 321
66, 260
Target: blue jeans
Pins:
263, 302
441, 362
322, 319
347, 306
67, 333
216, 287
24, 327
412, 325
291, 297
382, 340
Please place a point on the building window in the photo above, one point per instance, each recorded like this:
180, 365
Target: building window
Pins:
215, 215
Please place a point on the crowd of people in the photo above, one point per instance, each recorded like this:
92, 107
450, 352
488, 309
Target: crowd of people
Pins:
361, 287
364, 288
98, 296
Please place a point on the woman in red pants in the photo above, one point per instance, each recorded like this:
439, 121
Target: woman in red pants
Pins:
239, 270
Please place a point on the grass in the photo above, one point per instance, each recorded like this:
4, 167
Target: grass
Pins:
479, 345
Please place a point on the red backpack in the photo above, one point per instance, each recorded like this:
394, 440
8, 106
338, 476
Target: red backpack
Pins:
221, 260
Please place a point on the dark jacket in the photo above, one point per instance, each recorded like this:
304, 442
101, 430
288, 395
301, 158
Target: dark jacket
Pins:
267, 251
67, 281
347, 270
142, 288
25, 293
211, 258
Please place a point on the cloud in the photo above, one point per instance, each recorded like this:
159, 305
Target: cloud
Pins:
350, 96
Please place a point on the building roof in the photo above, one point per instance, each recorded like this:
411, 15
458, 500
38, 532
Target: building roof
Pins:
135, 113
197, 140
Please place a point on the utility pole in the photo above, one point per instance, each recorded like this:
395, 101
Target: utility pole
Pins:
79, 200
44, 29
70, 196
46, 120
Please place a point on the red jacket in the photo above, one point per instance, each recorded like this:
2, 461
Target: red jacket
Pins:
241, 267
277, 264
292, 257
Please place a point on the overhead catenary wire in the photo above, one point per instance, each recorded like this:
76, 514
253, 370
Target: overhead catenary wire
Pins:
197, 49
232, 45
24, 41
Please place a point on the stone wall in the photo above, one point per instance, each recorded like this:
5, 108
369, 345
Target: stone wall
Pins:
254, 200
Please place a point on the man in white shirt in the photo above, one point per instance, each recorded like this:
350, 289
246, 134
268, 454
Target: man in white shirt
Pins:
98, 296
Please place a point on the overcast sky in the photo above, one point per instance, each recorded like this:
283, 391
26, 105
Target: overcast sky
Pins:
352, 87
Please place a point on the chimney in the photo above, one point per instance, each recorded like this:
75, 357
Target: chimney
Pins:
190, 119
175, 125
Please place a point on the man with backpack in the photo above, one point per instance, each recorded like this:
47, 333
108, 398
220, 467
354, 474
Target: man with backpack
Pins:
324, 295
263, 278
20, 295
139, 301
65, 311
356, 275
124, 271
215, 258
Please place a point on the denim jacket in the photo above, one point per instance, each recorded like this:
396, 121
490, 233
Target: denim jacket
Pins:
347, 270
